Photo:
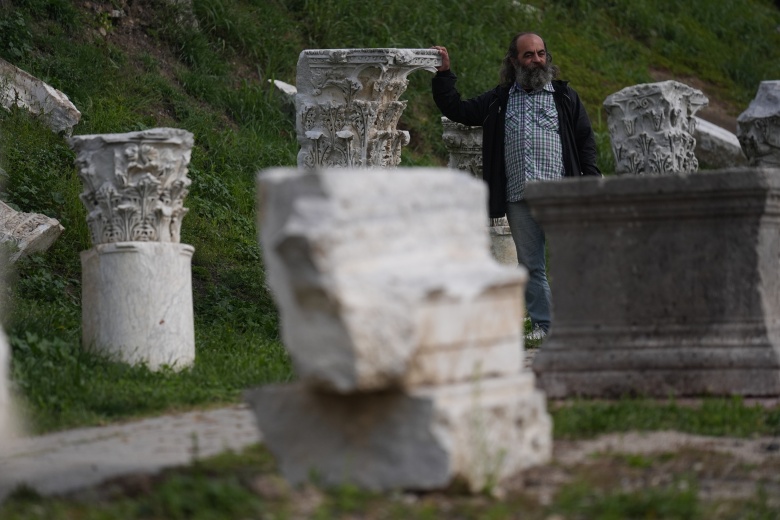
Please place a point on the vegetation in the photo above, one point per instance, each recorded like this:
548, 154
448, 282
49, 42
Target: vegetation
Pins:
246, 485
153, 67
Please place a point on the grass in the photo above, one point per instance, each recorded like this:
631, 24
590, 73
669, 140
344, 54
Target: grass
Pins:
210, 78
578, 419
247, 485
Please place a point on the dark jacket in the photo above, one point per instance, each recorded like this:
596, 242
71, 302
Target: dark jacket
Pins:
488, 110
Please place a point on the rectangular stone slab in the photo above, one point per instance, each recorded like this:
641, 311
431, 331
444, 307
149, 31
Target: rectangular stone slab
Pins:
663, 285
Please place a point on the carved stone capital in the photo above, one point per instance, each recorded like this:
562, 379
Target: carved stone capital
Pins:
134, 184
347, 105
758, 127
652, 125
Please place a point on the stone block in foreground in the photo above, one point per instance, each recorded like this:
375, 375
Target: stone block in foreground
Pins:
28, 232
384, 278
480, 432
663, 285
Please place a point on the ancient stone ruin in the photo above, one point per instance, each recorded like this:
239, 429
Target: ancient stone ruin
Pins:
758, 127
18, 88
651, 126
464, 144
716, 147
348, 105
136, 279
664, 286
407, 345
27, 232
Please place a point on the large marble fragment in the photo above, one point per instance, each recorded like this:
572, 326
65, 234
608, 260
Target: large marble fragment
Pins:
651, 126
19, 88
464, 145
664, 286
481, 433
407, 343
716, 147
385, 301
28, 232
136, 280
348, 104
758, 127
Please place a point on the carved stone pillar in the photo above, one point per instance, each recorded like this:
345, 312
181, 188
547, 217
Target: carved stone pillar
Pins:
348, 105
758, 127
652, 125
464, 144
136, 280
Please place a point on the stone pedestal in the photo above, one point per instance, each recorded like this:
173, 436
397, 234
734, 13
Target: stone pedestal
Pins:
348, 105
758, 127
663, 285
136, 281
407, 344
651, 126
137, 302
464, 144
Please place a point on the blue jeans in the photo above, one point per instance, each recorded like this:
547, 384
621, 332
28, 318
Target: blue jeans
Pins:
529, 242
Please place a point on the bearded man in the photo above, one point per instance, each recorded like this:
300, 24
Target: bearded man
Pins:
534, 128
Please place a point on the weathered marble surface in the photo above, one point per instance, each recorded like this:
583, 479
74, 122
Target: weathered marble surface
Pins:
481, 432
348, 104
137, 302
663, 285
758, 127
391, 275
716, 147
134, 184
28, 232
19, 88
651, 127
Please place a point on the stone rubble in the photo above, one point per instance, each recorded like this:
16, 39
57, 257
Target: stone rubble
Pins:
407, 344
717, 147
28, 232
19, 88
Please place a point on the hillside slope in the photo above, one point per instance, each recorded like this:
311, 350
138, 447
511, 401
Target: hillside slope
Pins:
133, 64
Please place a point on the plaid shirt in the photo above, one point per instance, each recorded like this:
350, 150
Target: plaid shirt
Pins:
532, 146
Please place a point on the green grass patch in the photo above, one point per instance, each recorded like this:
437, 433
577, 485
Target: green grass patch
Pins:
732, 417
153, 68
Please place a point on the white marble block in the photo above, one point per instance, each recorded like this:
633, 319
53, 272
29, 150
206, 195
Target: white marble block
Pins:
29, 232
384, 278
348, 105
137, 303
481, 432
652, 126
19, 88
758, 127
136, 280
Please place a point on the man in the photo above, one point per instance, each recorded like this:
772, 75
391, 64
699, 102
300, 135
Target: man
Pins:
534, 128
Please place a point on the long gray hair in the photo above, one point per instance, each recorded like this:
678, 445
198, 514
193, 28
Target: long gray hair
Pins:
508, 73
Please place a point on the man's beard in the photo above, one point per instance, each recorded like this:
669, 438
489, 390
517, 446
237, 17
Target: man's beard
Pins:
536, 76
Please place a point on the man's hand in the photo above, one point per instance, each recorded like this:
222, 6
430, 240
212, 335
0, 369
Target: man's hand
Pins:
445, 58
